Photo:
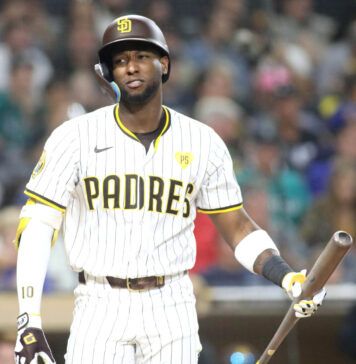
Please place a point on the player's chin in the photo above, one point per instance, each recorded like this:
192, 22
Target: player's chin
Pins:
133, 98
138, 95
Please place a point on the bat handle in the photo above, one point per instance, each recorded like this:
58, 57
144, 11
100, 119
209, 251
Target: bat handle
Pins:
286, 325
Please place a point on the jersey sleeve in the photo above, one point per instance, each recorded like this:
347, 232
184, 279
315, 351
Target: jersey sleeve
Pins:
219, 191
55, 175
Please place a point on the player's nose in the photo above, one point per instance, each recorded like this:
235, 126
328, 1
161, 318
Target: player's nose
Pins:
132, 65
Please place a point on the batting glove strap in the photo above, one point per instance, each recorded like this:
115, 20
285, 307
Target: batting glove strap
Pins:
22, 321
31, 344
29, 320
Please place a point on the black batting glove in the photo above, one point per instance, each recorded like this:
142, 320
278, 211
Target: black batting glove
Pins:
31, 344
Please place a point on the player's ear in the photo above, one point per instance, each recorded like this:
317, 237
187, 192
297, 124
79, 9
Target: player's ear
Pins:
164, 64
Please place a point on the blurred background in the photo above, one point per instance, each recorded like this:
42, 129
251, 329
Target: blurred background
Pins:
276, 79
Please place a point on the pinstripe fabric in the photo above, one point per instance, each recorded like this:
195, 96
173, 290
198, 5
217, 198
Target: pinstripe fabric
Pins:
117, 326
130, 213
134, 242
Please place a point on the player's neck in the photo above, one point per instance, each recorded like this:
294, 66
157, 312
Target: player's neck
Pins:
142, 119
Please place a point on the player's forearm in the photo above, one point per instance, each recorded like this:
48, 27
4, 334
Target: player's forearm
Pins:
234, 226
32, 262
253, 247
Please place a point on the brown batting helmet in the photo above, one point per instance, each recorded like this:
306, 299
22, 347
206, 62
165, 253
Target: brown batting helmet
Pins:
132, 28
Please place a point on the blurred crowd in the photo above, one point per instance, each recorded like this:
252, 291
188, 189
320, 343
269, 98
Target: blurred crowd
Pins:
275, 79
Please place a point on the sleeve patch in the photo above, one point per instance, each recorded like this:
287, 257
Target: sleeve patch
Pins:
39, 166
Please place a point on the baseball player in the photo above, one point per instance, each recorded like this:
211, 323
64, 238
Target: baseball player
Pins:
123, 183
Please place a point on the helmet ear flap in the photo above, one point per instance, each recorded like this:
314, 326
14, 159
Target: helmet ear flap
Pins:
103, 70
107, 86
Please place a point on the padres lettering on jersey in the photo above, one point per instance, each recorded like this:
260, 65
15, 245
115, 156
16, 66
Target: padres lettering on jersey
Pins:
131, 192
128, 212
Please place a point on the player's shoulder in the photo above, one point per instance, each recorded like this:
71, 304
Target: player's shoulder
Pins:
87, 117
68, 131
83, 119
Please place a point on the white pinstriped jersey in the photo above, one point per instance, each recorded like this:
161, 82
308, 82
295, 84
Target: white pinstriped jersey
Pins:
129, 213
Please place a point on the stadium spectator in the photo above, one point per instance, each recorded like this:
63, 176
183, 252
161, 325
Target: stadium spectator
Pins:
321, 221
339, 59
18, 40
21, 128
342, 125
287, 192
298, 22
301, 134
226, 117
214, 46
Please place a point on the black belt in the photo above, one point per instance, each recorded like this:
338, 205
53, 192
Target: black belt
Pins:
135, 284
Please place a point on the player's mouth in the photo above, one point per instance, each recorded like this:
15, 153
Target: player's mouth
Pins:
134, 84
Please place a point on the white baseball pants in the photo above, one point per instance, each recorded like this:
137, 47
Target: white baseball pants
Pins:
118, 326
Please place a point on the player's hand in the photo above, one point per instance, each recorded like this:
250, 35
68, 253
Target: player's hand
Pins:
292, 283
31, 346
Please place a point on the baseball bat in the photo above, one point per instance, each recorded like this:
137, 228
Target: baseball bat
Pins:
337, 247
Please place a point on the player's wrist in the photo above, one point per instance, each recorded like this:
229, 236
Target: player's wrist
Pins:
26, 319
275, 269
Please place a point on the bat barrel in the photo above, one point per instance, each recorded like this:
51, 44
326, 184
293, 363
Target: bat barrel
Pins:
339, 244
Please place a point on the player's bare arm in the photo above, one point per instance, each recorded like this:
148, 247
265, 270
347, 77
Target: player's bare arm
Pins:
236, 225
256, 251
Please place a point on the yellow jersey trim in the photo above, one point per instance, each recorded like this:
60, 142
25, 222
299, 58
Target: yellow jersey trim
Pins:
133, 135
44, 200
165, 128
122, 126
220, 210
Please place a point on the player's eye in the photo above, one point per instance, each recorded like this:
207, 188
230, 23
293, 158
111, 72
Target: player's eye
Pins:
143, 56
119, 61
